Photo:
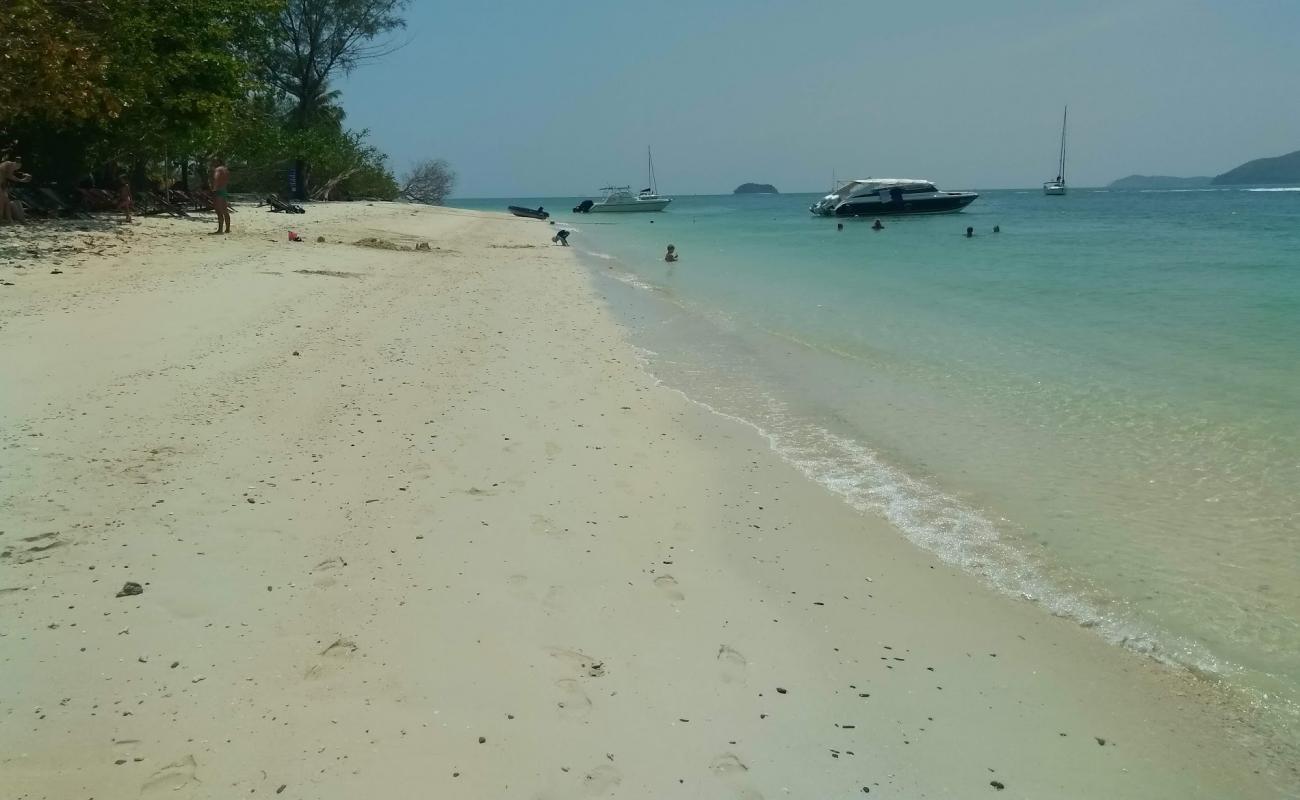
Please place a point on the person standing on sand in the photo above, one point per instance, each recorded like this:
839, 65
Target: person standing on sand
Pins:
125, 203
221, 196
9, 173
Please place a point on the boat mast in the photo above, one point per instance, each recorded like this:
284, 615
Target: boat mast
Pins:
650, 168
1061, 169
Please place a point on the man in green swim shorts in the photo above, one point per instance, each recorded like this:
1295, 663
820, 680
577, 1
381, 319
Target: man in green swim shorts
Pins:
221, 199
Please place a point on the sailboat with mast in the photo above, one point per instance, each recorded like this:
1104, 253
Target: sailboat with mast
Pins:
1057, 187
620, 198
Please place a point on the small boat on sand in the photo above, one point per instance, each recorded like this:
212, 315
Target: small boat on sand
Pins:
531, 213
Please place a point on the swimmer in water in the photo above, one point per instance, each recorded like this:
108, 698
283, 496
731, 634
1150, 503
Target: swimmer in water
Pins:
671, 255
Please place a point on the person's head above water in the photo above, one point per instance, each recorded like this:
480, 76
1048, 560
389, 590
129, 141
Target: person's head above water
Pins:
969, 232
877, 225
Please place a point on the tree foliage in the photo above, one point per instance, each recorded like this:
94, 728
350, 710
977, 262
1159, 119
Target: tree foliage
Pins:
53, 69
429, 182
158, 85
320, 39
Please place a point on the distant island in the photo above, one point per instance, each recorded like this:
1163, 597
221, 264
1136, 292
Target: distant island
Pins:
1279, 169
756, 188
1160, 182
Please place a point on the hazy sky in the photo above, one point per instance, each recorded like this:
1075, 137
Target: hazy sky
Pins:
537, 98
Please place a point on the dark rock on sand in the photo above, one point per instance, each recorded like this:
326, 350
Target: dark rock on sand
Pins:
130, 588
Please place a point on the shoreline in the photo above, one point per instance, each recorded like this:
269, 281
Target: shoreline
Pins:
464, 510
854, 469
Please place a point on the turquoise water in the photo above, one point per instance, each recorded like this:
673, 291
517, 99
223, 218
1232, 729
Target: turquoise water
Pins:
1097, 408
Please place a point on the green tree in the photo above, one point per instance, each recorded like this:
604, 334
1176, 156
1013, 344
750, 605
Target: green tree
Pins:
317, 40
52, 68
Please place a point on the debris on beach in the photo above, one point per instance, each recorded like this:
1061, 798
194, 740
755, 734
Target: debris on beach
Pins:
377, 243
130, 588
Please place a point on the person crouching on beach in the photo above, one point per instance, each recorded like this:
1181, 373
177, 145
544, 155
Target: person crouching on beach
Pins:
561, 237
671, 255
10, 211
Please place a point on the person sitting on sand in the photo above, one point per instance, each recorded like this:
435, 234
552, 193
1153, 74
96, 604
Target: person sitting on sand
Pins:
561, 237
10, 211
671, 255
220, 194
877, 226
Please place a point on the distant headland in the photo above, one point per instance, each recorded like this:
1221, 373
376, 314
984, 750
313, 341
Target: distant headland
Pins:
1278, 169
756, 188
1160, 182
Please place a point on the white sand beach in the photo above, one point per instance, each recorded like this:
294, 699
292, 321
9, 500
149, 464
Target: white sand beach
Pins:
417, 524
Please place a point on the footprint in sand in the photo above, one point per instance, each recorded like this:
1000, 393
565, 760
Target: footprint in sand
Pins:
555, 599
601, 781
332, 658
546, 526
574, 702
668, 584
177, 779
519, 587
731, 770
578, 662
552, 449
728, 764
734, 665
324, 568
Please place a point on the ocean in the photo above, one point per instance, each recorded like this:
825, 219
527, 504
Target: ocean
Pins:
1096, 409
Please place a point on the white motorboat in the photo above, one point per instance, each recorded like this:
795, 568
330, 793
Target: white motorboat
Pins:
620, 198
879, 197
1057, 187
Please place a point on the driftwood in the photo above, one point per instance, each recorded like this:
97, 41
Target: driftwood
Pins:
326, 191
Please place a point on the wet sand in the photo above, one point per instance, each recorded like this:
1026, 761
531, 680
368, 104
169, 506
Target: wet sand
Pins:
416, 523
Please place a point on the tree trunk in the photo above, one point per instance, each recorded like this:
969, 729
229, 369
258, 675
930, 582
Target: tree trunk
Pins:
139, 177
300, 170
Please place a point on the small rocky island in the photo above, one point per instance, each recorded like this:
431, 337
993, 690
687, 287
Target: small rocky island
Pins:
756, 188
1159, 182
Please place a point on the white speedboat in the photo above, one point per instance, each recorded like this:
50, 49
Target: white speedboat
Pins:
620, 198
879, 197
1057, 187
